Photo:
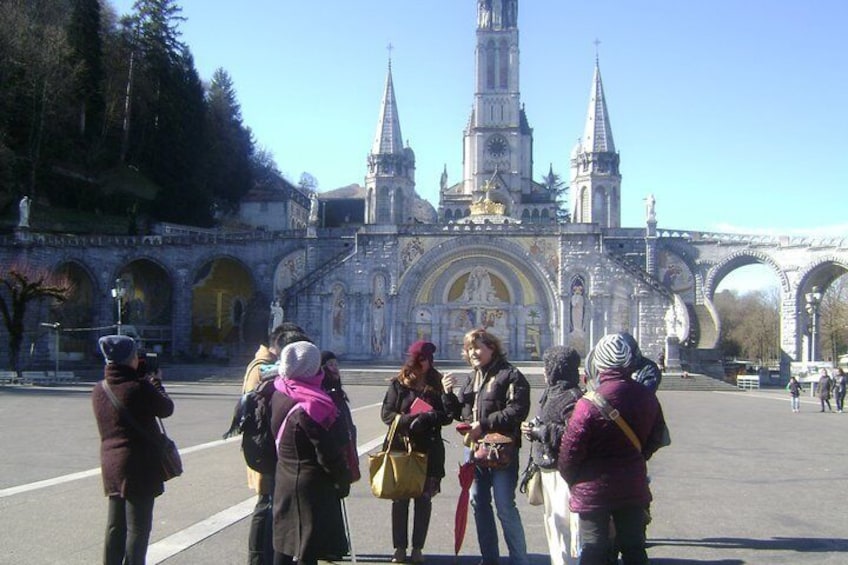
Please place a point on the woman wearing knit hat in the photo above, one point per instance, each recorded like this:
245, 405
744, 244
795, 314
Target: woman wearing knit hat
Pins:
312, 472
605, 467
415, 395
129, 462
562, 365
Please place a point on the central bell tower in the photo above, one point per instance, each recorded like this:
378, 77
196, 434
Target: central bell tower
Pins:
498, 140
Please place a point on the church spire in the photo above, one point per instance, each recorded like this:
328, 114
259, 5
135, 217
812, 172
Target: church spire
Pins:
388, 139
597, 136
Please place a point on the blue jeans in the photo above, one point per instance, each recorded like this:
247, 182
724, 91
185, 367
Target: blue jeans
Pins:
502, 483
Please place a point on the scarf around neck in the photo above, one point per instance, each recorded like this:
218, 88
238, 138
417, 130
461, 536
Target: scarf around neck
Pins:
311, 397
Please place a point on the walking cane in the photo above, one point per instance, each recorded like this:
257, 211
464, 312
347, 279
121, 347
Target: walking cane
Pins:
347, 531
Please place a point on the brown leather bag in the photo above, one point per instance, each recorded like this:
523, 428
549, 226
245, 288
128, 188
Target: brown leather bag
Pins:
494, 451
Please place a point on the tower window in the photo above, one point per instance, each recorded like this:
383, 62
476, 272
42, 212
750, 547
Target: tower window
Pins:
504, 64
491, 56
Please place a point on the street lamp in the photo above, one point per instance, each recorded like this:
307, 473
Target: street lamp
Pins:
814, 298
119, 293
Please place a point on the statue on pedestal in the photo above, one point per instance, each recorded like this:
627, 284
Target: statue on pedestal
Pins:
23, 208
277, 314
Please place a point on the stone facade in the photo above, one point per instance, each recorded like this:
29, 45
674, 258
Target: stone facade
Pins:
495, 257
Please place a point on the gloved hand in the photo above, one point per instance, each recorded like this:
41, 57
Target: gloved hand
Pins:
535, 432
422, 422
343, 490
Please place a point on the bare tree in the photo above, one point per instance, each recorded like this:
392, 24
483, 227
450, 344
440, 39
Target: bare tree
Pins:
833, 319
20, 285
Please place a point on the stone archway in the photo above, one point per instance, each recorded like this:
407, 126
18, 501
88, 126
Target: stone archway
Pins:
77, 313
147, 308
461, 289
223, 316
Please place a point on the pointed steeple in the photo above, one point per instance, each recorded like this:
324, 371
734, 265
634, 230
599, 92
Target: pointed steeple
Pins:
388, 139
597, 137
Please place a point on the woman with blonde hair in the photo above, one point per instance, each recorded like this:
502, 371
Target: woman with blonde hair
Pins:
494, 399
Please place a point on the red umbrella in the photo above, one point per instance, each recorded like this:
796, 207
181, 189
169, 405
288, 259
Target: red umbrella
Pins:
466, 477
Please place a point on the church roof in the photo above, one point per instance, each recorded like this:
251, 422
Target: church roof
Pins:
597, 137
388, 138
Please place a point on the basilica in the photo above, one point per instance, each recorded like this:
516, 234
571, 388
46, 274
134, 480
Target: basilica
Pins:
368, 269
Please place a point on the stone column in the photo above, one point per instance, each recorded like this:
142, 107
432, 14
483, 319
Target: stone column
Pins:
182, 320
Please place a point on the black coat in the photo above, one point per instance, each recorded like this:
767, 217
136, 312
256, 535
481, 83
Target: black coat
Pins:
555, 409
129, 462
311, 470
426, 436
504, 400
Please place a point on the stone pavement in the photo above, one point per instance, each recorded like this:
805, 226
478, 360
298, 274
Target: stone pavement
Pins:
744, 481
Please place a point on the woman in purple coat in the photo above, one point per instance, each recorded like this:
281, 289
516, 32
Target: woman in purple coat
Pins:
605, 470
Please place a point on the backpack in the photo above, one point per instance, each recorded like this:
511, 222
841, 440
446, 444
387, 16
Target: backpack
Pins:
252, 419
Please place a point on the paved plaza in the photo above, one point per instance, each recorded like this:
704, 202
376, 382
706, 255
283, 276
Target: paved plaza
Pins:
744, 481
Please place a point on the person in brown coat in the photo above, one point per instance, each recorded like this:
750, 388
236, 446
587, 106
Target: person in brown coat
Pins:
259, 545
130, 463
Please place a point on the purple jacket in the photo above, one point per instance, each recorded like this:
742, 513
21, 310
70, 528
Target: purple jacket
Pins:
602, 467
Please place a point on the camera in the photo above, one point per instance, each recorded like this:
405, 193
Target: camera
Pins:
151, 363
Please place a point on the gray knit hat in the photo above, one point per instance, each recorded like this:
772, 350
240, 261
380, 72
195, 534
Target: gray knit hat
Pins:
118, 349
561, 364
299, 361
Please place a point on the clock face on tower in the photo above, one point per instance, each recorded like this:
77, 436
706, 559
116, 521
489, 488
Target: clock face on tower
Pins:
497, 146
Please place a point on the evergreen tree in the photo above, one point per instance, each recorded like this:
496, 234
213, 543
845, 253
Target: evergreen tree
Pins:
559, 190
87, 45
228, 173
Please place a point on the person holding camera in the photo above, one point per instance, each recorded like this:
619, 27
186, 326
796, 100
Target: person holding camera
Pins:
562, 376
129, 461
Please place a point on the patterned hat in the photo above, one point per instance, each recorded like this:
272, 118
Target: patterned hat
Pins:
612, 351
300, 360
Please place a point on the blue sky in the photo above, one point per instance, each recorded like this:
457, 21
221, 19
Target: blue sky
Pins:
731, 112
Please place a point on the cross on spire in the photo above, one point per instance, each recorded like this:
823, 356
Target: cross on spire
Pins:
597, 43
390, 48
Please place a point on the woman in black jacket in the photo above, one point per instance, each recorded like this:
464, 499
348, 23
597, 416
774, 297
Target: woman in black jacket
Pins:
130, 463
562, 376
415, 395
494, 399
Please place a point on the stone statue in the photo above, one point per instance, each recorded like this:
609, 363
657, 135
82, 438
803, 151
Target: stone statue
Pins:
650, 208
23, 207
479, 287
313, 209
484, 14
578, 306
277, 314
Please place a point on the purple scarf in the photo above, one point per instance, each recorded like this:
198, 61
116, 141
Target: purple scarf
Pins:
311, 397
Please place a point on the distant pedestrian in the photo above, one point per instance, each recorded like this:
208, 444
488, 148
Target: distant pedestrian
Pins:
129, 459
839, 388
795, 390
825, 386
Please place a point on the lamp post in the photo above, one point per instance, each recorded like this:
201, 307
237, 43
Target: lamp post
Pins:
56, 327
814, 298
119, 293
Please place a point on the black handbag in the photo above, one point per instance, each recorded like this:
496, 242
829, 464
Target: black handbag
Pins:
171, 463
